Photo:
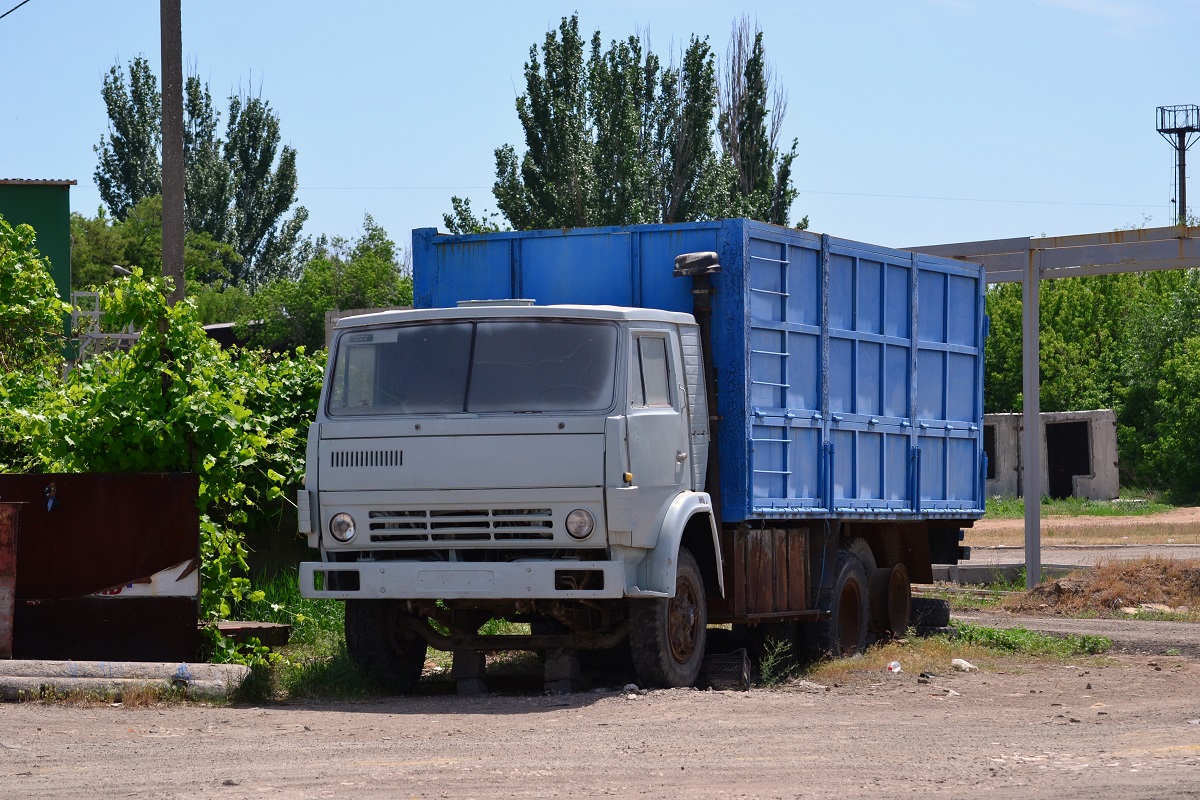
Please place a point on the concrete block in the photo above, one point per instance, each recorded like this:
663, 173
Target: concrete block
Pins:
468, 670
562, 673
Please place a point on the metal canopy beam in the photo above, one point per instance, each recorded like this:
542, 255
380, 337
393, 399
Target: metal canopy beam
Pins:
1030, 261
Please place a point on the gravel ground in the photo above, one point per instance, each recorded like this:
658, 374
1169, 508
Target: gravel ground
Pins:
1127, 727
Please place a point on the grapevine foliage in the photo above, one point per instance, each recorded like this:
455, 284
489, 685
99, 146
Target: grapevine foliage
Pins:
177, 402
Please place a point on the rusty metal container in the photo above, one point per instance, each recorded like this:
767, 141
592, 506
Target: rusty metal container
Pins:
109, 566
10, 524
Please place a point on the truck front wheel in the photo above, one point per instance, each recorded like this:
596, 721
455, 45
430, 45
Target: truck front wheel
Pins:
390, 653
667, 636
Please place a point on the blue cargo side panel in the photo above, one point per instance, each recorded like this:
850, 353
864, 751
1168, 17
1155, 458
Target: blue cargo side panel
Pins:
862, 385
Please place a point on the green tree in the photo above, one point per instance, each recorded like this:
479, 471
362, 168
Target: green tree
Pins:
693, 176
31, 315
463, 219
625, 109
264, 188
367, 272
614, 137
238, 189
97, 244
1113, 341
749, 128
551, 185
129, 168
1002, 351
1171, 448
100, 243
207, 176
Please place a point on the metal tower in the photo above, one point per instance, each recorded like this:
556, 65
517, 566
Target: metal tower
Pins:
1179, 126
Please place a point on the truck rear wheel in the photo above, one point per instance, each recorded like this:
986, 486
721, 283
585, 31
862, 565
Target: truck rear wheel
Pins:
387, 651
891, 600
844, 633
667, 636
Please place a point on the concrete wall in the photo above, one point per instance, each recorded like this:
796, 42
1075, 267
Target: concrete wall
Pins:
1099, 481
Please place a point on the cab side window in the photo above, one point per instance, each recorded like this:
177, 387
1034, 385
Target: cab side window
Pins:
652, 375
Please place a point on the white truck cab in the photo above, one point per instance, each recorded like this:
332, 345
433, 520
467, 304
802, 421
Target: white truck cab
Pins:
505, 459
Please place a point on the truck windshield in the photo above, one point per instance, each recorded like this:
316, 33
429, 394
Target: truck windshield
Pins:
488, 366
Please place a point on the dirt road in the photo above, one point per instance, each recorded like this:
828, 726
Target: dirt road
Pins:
1084, 555
1183, 517
1124, 726
1129, 729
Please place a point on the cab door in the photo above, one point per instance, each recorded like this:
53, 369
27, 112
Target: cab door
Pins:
659, 450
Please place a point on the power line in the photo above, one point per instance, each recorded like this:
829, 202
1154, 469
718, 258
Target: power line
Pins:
801, 191
14, 8
981, 199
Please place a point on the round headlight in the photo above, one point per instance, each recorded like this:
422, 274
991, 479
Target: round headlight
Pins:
580, 523
342, 527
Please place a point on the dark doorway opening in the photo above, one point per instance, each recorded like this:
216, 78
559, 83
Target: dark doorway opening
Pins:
989, 450
1067, 455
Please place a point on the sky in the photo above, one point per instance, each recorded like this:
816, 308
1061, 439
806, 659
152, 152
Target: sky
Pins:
919, 122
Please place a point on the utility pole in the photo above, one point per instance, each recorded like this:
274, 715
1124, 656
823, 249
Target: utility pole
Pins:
1179, 126
172, 144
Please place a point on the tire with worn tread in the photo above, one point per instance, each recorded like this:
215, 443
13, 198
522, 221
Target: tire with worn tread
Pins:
391, 655
667, 636
929, 612
862, 551
844, 633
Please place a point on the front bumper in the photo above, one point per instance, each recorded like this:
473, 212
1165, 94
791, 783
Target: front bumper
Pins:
422, 580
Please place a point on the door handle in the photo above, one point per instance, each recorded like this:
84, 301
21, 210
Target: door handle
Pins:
681, 456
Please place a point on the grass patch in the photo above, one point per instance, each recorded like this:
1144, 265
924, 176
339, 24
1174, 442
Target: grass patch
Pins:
915, 654
984, 647
331, 675
312, 621
129, 697
1022, 641
1135, 505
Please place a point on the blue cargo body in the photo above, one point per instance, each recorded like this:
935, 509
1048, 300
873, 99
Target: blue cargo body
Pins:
850, 376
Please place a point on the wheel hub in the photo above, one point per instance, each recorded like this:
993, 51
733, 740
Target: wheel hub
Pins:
681, 621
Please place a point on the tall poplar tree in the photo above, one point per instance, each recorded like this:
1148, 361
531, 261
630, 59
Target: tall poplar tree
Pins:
237, 189
130, 167
615, 137
749, 128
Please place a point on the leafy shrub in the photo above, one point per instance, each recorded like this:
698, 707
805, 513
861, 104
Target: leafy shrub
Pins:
177, 402
31, 337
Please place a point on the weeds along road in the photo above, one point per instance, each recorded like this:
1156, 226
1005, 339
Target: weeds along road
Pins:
1137, 636
1124, 727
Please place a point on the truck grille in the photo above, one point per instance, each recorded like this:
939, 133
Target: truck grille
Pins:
495, 524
